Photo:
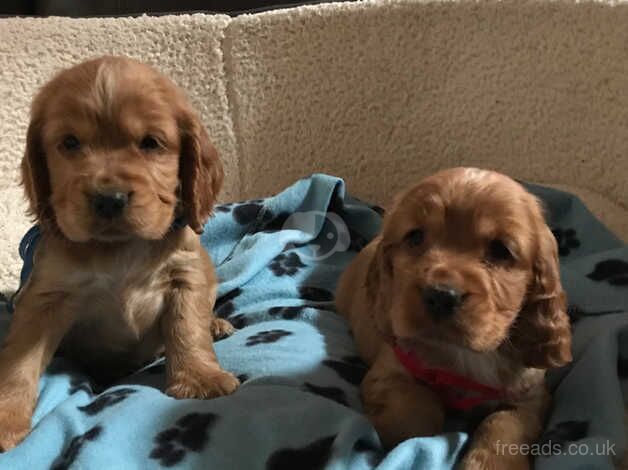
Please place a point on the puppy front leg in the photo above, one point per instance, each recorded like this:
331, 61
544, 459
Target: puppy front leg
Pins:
396, 404
498, 441
37, 327
192, 369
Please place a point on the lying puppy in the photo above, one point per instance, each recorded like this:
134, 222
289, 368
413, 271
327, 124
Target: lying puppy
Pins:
457, 304
121, 176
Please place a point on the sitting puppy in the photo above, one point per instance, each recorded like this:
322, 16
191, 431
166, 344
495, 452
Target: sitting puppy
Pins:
121, 176
457, 304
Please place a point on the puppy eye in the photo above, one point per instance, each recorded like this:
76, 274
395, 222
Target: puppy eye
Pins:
149, 143
415, 237
71, 143
498, 252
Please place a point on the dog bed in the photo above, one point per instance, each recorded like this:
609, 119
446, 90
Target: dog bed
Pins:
298, 407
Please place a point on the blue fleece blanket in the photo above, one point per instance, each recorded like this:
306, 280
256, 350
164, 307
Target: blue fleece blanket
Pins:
298, 406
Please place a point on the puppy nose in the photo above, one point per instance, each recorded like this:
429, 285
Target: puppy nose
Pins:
441, 300
110, 204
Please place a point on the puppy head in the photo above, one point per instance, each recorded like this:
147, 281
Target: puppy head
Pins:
465, 258
114, 151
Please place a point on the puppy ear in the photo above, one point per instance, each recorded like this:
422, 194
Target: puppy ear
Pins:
200, 172
378, 287
542, 330
35, 177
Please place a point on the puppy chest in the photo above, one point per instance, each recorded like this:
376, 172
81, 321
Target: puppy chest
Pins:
122, 304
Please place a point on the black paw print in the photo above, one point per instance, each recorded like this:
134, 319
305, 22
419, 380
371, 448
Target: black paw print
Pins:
223, 207
350, 368
287, 313
315, 294
613, 271
565, 431
224, 305
239, 321
311, 457
276, 223
270, 336
190, 433
286, 264
566, 240
247, 213
69, 455
332, 393
106, 400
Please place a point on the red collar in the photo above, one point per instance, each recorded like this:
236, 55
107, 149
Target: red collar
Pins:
456, 391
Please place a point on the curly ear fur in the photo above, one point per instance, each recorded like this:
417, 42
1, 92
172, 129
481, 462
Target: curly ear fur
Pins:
378, 285
542, 332
35, 178
200, 172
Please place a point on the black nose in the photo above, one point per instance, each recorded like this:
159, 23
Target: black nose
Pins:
441, 300
109, 205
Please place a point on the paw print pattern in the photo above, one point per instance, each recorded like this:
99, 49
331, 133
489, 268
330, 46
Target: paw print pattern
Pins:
286, 264
566, 240
332, 393
265, 337
315, 294
239, 321
190, 433
106, 400
224, 305
564, 432
311, 457
287, 313
223, 207
247, 213
613, 271
276, 223
69, 455
350, 368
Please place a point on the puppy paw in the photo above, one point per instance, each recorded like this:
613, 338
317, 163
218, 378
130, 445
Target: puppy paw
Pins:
488, 459
211, 384
14, 427
221, 328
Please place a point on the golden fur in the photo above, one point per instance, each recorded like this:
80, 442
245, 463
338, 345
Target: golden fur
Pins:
114, 293
509, 328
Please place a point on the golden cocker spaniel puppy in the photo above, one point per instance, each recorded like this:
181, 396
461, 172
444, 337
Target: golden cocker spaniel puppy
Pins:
121, 176
456, 304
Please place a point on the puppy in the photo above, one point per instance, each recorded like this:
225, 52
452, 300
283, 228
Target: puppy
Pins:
458, 304
120, 176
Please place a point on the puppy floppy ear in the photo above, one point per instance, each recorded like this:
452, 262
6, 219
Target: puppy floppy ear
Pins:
378, 287
35, 178
542, 330
200, 171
